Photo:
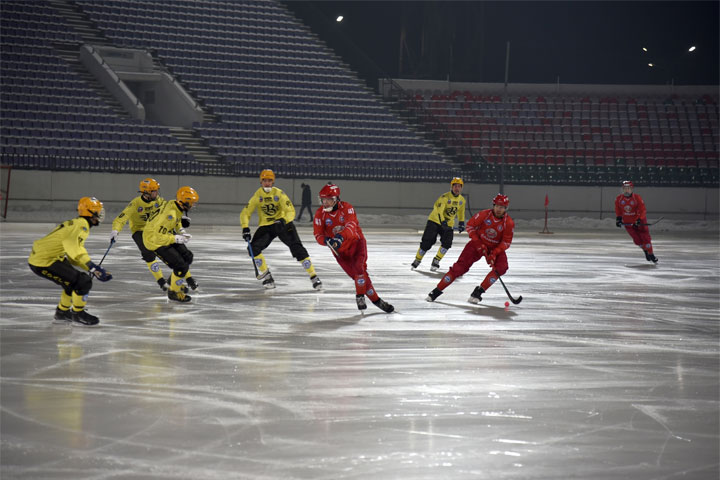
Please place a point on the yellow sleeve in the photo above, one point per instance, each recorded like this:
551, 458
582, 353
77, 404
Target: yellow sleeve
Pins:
123, 217
74, 243
160, 231
288, 207
437, 212
461, 210
247, 212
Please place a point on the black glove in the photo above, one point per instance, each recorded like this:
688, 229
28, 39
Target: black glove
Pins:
185, 221
246, 234
334, 242
98, 272
618, 222
637, 223
461, 227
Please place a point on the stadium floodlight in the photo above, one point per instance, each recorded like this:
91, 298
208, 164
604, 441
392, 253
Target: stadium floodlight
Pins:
644, 49
650, 65
339, 18
691, 49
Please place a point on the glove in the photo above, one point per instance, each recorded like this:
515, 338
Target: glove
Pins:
185, 221
618, 222
334, 242
246, 234
490, 258
481, 250
114, 236
461, 227
98, 272
183, 239
637, 223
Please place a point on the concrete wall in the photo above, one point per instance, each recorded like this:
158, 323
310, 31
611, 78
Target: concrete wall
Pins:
45, 196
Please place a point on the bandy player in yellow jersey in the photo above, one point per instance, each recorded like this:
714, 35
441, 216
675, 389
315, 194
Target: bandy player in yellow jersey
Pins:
440, 222
56, 256
137, 212
275, 219
165, 236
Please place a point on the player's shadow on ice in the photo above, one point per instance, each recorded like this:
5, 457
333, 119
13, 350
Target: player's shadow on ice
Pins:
498, 313
428, 273
643, 266
329, 325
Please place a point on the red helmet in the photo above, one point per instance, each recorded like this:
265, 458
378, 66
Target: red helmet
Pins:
628, 183
501, 199
329, 191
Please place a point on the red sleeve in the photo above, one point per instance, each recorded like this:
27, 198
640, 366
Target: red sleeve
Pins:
318, 227
351, 231
508, 232
618, 209
472, 226
642, 212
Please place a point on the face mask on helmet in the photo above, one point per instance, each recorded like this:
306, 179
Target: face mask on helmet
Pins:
329, 196
91, 207
267, 179
187, 197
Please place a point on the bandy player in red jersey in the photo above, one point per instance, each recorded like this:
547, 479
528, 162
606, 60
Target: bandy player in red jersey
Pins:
336, 226
491, 232
630, 211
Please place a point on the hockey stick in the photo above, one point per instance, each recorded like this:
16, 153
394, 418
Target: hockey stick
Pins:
644, 224
513, 300
252, 257
112, 242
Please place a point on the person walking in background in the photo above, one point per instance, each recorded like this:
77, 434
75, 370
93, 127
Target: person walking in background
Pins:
275, 219
306, 201
440, 223
491, 233
165, 235
630, 212
137, 212
337, 227
56, 256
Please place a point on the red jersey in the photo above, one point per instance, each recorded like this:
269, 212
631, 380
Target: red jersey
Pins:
630, 208
342, 220
494, 233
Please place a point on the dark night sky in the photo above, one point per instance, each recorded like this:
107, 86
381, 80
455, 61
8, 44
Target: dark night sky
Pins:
581, 42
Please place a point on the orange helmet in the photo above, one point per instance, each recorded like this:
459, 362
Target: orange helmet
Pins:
267, 174
148, 185
456, 180
91, 207
187, 196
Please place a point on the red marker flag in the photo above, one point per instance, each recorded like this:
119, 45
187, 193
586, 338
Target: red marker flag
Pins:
546, 200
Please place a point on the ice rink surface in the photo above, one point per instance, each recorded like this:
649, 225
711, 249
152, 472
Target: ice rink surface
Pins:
608, 369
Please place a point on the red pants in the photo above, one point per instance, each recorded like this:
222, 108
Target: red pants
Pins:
469, 256
354, 262
641, 237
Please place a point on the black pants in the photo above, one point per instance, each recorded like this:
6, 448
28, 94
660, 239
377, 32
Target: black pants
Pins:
432, 230
302, 209
147, 255
68, 277
286, 233
177, 257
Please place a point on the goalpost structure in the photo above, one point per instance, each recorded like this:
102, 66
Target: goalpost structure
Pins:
5, 171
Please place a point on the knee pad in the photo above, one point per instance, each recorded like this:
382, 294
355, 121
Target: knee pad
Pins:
148, 256
181, 270
83, 284
298, 251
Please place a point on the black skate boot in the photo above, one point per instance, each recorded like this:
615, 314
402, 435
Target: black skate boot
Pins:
180, 296
434, 294
650, 257
267, 278
316, 283
84, 319
435, 265
191, 283
164, 284
414, 264
383, 305
476, 295
62, 317
360, 299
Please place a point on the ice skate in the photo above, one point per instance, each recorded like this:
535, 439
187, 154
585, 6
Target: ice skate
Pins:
435, 265
316, 283
191, 283
62, 317
180, 296
476, 295
360, 299
415, 264
83, 318
436, 292
383, 305
650, 257
267, 279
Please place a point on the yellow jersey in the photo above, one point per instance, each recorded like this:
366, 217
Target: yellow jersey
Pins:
447, 207
161, 228
66, 240
270, 206
138, 211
